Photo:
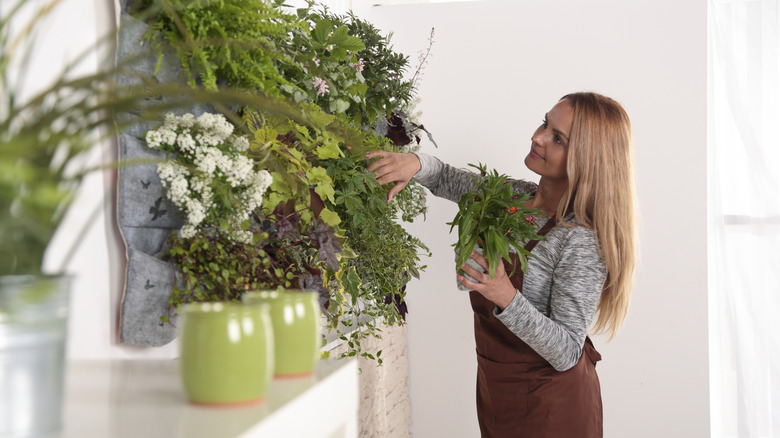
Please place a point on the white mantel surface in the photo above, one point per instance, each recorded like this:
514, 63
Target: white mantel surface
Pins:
144, 398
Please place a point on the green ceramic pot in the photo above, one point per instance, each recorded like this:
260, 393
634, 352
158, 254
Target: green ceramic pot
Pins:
297, 328
226, 352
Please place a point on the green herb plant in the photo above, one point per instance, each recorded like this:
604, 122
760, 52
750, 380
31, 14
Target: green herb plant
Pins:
495, 217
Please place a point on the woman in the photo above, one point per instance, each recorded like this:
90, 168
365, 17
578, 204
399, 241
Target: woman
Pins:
536, 366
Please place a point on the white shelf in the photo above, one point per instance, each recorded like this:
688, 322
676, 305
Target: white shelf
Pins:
144, 398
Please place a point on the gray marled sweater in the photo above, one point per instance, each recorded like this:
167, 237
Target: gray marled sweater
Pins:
564, 282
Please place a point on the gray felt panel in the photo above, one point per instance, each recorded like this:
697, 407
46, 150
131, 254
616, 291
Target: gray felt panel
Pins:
142, 201
146, 240
149, 282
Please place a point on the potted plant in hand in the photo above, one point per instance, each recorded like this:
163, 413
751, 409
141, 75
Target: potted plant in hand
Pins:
492, 219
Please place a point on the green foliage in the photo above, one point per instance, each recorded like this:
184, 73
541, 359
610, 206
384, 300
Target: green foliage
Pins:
219, 40
325, 218
282, 54
383, 70
43, 141
386, 256
495, 216
213, 268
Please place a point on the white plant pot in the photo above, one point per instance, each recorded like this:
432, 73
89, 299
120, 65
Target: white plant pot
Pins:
471, 263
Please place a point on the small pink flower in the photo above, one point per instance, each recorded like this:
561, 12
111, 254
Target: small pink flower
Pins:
316, 61
359, 66
321, 86
530, 219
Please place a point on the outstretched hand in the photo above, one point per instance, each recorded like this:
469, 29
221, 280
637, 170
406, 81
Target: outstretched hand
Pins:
393, 167
498, 289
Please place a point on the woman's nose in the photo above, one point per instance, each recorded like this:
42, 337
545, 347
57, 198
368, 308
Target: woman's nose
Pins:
538, 138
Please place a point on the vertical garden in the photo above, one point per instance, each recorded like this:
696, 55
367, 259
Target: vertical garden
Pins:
271, 189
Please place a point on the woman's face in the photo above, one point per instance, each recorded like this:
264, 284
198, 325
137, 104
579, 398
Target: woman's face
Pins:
550, 143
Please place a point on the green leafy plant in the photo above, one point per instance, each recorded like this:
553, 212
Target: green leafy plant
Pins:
494, 216
221, 40
324, 223
381, 68
386, 257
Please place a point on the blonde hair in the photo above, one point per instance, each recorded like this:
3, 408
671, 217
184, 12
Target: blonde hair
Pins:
602, 196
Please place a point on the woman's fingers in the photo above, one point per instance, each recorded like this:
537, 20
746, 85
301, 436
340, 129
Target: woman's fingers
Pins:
378, 163
482, 261
396, 189
384, 168
393, 167
498, 289
470, 285
474, 273
375, 154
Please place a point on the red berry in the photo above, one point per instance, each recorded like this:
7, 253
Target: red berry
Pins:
477, 198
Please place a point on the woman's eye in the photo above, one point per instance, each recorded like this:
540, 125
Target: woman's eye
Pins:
558, 139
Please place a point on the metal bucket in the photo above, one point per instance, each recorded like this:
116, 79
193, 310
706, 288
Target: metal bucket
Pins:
33, 328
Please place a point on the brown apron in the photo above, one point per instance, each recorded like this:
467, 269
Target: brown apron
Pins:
519, 394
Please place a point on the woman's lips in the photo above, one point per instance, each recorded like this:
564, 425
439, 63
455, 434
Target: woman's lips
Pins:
535, 155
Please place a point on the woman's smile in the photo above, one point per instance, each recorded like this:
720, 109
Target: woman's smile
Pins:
534, 154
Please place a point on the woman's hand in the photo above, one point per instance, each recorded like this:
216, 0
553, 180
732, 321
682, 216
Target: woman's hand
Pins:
498, 289
393, 167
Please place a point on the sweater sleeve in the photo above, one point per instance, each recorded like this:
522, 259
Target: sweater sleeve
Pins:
450, 183
577, 281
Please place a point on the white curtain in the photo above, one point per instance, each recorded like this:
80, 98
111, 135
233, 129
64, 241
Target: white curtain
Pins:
744, 222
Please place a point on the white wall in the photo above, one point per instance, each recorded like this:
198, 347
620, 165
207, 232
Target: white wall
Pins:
498, 66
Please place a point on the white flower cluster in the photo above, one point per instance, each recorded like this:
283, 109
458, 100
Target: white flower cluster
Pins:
206, 153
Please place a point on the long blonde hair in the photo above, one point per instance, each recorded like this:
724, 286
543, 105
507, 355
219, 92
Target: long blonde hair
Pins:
602, 196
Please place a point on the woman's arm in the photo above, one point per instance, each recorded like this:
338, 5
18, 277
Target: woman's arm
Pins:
577, 281
565, 280
441, 179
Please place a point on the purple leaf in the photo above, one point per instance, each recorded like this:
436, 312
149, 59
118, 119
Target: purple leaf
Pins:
313, 281
289, 227
326, 242
400, 303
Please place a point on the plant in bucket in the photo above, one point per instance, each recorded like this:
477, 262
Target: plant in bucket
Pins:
296, 319
48, 140
48, 136
493, 220
227, 353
